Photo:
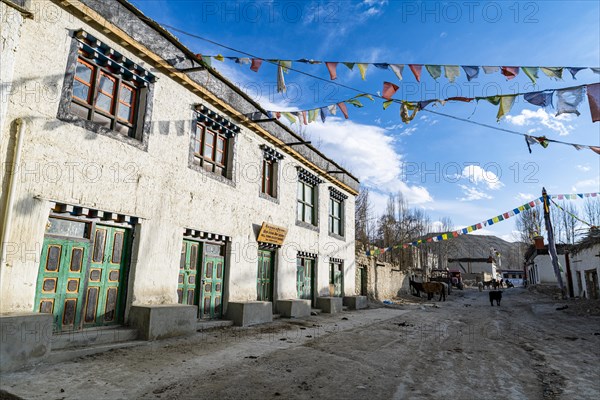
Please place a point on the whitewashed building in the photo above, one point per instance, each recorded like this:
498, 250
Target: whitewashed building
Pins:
137, 182
584, 260
538, 265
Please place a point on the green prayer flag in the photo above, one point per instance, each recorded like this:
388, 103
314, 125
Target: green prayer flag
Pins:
386, 104
354, 102
531, 72
434, 70
349, 65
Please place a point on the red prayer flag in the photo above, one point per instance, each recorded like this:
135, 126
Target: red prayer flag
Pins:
416, 70
256, 63
388, 90
593, 95
331, 66
505, 215
343, 109
277, 115
304, 118
458, 98
595, 149
510, 72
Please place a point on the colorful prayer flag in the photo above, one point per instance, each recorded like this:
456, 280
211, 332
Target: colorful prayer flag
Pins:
389, 89
331, 67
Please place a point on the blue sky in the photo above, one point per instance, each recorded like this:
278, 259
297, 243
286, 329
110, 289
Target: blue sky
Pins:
450, 168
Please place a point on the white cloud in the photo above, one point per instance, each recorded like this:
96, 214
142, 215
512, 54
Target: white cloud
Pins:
541, 117
408, 131
584, 168
368, 152
524, 196
592, 185
443, 34
477, 175
472, 193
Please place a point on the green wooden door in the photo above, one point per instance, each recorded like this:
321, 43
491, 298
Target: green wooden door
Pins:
264, 285
336, 280
59, 287
304, 278
188, 270
107, 276
212, 282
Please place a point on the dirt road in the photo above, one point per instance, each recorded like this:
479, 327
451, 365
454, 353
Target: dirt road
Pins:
459, 349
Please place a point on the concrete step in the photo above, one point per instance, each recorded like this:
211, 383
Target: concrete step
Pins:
93, 337
344, 308
62, 355
276, 316
204, 325
316, 311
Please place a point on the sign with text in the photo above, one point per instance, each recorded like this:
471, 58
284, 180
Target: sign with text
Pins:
272, 234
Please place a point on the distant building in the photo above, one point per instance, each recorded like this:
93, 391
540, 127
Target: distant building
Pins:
474, 268
513, 276
539, 265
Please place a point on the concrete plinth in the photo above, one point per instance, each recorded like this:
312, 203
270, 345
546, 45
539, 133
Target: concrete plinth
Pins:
24, 339
355, 302
329, 305
164, 320
293, 308
250, 312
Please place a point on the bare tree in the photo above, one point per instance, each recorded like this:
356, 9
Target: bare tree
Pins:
591, 211
529, 224
568, 221
362, 215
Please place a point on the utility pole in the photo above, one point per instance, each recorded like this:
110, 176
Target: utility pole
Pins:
551, 244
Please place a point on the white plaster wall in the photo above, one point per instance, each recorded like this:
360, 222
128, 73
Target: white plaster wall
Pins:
66, 163
580, 262
10, 32
545, 270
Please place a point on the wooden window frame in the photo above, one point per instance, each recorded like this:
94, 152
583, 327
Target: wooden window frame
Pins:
303, 204
116, 123
217, 162
333, 218
269, 178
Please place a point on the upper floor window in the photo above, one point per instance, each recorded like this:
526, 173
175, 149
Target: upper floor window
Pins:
306, 203
270, 171
106, 92
212, 142
210, 148
336, 211
307, 197
103, 97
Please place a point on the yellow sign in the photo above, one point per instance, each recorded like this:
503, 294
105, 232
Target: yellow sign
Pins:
272, 234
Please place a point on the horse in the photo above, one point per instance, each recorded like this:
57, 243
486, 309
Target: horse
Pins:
488, 284
495, 295
432, 288
416, 286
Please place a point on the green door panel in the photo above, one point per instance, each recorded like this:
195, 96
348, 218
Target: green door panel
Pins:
59, 289
265, 275
304, 278
188, 271
211, 292
106, 287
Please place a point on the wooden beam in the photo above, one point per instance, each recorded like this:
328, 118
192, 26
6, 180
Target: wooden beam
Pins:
78, 8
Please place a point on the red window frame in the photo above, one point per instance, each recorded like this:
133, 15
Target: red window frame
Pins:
215, 159
89, 84
117, 123
268, 181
